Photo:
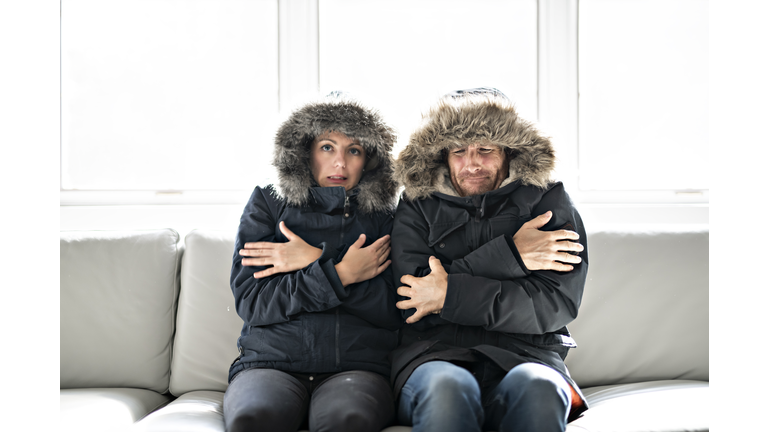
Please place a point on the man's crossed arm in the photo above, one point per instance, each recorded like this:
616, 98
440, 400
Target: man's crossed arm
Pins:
539, 250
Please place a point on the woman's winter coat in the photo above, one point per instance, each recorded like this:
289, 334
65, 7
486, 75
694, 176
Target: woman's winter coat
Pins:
495, 308
305, 321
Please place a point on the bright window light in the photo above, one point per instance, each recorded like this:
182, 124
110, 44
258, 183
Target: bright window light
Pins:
643, 87
166, 94
404, 54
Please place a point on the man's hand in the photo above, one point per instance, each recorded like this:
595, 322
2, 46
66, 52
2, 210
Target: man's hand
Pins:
427, 294
546, 250
362, 263
283, 257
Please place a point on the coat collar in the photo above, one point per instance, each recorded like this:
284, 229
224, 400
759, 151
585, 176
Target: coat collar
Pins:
327, 199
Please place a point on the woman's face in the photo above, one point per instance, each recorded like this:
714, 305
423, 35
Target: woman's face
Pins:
336, 160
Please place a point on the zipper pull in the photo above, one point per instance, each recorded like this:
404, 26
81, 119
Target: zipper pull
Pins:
346, 206
479, 208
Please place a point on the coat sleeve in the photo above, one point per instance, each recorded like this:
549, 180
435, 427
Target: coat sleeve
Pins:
491, 288
278, 297
373, 300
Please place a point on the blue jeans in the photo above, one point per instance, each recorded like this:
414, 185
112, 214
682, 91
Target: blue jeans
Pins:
440, 396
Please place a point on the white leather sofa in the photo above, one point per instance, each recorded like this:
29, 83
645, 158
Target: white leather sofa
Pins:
148, 331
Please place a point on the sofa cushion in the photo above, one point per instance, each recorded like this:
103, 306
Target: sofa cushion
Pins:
117, 308
659, 406
207, 325
106, 409
645, 311
197, 411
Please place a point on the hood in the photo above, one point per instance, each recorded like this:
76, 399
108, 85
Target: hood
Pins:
376, 191
482, 115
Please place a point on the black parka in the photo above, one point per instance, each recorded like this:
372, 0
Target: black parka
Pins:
305, 321
495, 309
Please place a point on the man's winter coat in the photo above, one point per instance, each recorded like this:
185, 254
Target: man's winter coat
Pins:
305, 321
496, 311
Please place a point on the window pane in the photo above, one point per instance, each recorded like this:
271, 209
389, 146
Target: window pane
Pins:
404, 54
643, 88
167, 94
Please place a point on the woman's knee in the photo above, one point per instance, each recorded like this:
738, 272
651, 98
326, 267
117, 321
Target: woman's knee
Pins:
264, 398
347, 420
263, 417
352, 401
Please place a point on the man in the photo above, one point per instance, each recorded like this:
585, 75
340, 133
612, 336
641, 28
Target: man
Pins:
491, 258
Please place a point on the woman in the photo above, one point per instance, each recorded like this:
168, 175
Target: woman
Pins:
312, 282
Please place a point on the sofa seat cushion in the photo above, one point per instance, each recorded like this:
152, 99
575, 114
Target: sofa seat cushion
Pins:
197, 411
657, 406
106, 409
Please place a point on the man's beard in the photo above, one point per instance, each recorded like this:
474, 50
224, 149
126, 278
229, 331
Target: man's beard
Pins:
474, 188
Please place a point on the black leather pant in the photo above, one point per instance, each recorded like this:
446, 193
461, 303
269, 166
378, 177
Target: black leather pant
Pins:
276, 401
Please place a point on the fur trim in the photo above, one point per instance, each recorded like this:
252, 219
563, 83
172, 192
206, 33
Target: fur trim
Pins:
377, 190
465, 117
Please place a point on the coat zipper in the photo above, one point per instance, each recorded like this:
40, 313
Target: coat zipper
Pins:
341, 240
338, 353
346, 206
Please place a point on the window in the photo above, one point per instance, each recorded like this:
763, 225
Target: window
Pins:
178, 101
165, 95
643, 95
405, 54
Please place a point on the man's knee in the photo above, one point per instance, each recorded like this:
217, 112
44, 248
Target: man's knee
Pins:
443, 396
451, 381
536, 381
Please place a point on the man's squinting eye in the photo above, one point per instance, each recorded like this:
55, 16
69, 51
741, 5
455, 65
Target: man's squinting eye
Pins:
458, 151
486, 150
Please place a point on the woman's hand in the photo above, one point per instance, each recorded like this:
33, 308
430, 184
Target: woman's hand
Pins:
283, 257
360, 264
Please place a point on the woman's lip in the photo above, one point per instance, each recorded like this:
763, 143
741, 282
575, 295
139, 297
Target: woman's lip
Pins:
337, 179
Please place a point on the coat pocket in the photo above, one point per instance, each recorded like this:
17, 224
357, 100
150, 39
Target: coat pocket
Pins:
278, 342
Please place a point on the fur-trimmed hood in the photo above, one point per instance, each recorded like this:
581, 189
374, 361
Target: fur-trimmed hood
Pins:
463, 117
377, 190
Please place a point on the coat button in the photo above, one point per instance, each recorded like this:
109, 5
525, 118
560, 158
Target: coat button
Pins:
442, 245
311, 378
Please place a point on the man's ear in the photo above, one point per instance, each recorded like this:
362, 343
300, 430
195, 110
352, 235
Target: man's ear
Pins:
444, 156
509, 154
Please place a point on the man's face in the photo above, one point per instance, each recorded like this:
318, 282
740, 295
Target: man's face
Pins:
477, 168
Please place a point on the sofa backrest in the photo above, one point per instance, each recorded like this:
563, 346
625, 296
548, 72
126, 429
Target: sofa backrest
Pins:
644, 315
645, 310
207, 325
118, 293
